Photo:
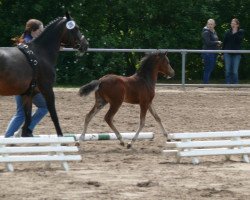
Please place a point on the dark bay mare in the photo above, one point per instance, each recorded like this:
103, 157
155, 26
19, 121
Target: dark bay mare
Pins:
16, 73
136, 89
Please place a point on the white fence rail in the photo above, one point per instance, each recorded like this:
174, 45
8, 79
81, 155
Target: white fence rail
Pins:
209, 144
183, 53
45, 149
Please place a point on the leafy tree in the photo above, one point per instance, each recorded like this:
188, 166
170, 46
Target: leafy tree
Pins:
130, 24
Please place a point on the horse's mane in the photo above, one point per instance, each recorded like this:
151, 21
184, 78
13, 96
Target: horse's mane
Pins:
51, 23
49, 27
147, 63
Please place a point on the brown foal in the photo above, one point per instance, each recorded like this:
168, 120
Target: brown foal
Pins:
136, 89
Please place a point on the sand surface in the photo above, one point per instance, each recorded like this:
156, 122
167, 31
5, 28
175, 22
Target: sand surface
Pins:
110, 171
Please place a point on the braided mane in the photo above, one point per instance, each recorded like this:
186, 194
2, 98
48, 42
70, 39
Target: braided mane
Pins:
53, 22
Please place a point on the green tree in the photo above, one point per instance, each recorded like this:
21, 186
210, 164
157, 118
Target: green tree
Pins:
130, 24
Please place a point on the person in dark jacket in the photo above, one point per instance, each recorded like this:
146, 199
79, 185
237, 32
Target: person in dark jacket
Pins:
32, 30
210, 42
232, 41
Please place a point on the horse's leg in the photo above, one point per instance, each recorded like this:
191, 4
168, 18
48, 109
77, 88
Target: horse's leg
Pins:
27, 107
144, 109
99, 104
49, 96
109, 119
157, 118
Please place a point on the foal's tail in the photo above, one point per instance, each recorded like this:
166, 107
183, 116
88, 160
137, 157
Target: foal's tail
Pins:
90, 87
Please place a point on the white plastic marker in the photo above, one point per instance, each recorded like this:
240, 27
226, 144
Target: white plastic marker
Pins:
70, 24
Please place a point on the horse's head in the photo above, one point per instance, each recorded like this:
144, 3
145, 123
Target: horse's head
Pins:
72, 36
164, 66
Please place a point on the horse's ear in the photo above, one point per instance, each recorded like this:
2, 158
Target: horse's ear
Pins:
166, 53
67, 16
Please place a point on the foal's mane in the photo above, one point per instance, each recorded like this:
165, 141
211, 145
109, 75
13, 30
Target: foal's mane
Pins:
148, 62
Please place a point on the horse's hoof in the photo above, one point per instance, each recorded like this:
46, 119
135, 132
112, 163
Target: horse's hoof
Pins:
77, 144
81, 138
129, 145
122, 143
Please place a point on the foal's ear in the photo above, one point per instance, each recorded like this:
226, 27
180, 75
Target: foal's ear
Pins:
67, 16
166, 53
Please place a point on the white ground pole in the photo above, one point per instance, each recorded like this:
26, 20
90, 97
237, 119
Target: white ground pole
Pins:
105, 136
111, 136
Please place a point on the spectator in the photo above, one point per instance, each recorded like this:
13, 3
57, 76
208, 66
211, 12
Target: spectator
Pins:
232, 41
32, 30
210, 42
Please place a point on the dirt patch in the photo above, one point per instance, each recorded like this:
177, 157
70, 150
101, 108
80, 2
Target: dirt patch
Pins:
109, 171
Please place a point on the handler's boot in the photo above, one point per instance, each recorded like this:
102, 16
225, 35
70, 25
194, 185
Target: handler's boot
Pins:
27, 134
18, 133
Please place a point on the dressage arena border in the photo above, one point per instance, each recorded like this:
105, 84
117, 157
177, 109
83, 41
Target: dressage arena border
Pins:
42, 149
106, 136
209, 144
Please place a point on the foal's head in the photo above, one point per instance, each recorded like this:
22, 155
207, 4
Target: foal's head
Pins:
164, 66
72, 36
156, 62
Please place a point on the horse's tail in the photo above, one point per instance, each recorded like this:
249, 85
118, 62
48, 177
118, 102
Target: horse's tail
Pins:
90, 87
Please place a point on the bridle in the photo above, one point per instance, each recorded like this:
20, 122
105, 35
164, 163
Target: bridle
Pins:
73, 37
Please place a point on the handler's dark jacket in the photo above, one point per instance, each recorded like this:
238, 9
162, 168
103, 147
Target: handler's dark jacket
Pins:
233, 41
209, 39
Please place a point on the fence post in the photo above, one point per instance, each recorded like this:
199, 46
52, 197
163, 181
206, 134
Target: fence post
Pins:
183, 67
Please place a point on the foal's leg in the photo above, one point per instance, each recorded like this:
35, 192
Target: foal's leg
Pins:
99, 104
144, 109
109, 119
157, 118
27, 107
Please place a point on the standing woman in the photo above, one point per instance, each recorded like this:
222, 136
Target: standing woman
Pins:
232, 41
32, 30
210, 42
